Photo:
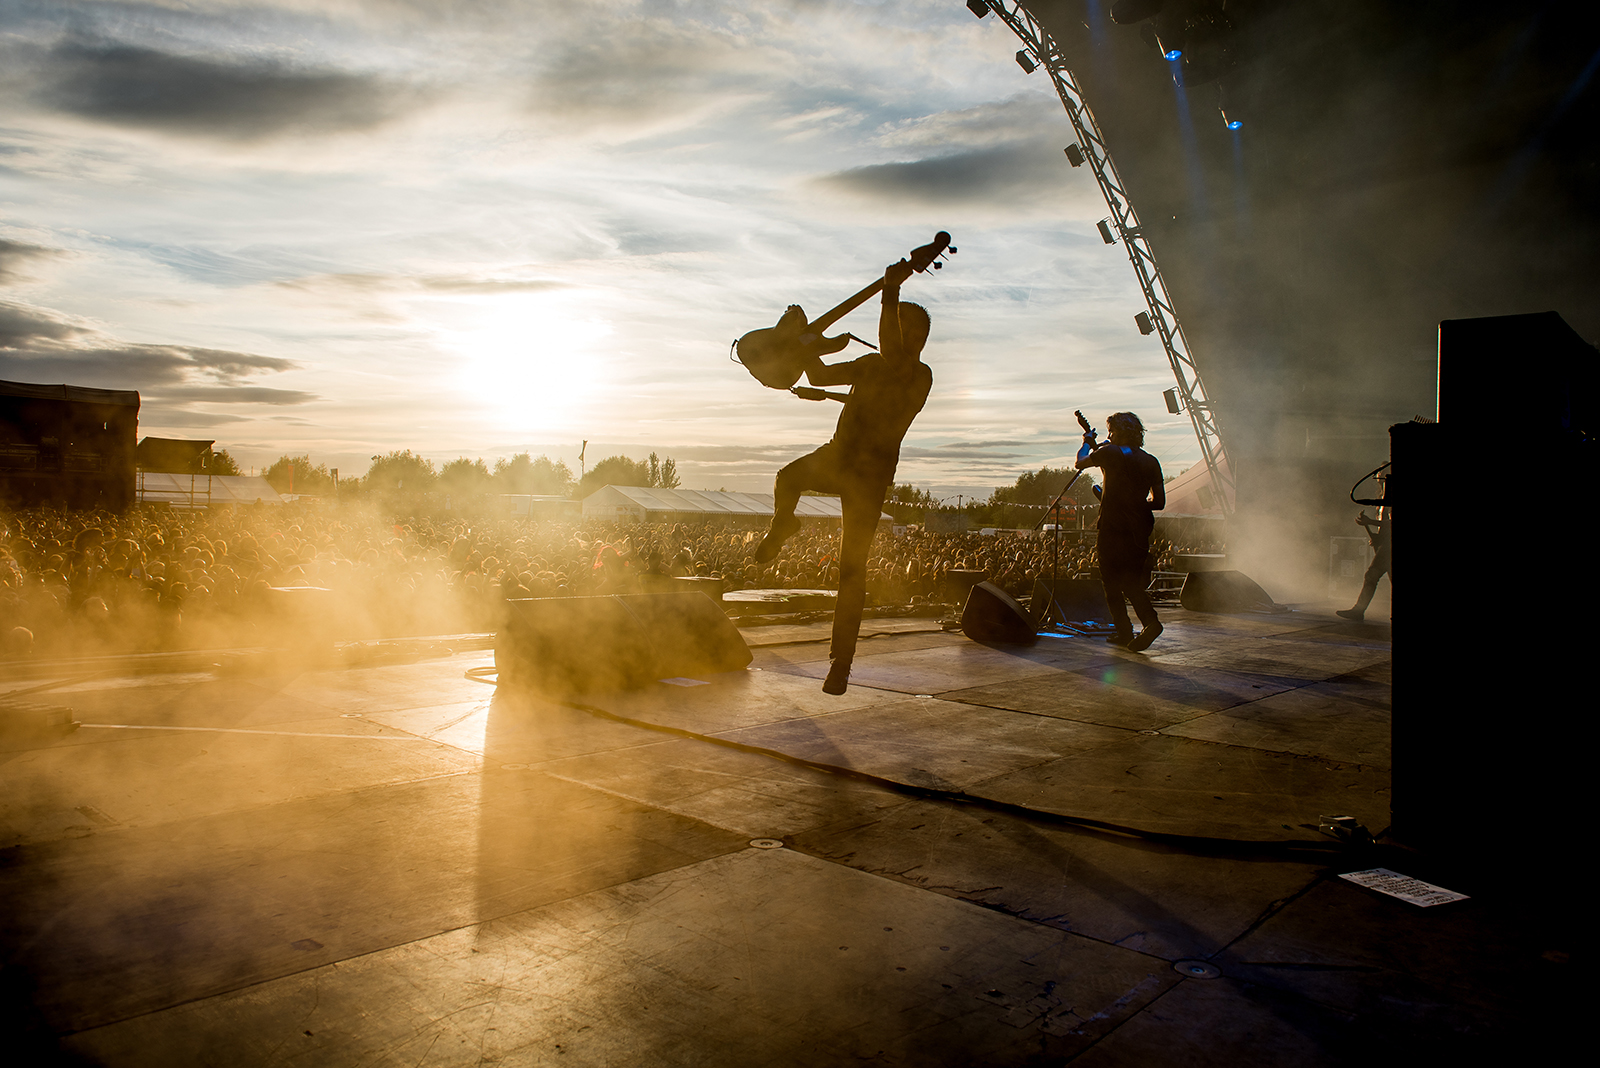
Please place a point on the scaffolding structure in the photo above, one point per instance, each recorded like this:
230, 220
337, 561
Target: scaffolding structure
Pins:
1041, 50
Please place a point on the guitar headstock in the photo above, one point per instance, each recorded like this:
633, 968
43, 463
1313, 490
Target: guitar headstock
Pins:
928, 255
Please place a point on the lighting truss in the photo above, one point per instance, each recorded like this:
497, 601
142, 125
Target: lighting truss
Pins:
1042, 48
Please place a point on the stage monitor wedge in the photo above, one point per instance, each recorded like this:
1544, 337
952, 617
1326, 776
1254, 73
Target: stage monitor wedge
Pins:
992, 616
1224, 591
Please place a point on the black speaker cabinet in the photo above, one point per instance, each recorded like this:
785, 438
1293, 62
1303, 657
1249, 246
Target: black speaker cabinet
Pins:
993, 616
578, 644
1486, 749
1222, 591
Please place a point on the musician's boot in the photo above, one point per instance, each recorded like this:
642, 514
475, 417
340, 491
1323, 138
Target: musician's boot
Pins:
1358, 611
782, 527
1145, 637
838, 679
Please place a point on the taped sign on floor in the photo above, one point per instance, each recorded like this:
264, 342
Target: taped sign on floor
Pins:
1403, 887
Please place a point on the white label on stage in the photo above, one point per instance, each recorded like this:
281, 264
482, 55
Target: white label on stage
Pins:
681, 681
1403, 887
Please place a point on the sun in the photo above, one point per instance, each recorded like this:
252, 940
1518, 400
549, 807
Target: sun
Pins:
534, 359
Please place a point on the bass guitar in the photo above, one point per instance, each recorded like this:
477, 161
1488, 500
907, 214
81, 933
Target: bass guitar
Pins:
778, 355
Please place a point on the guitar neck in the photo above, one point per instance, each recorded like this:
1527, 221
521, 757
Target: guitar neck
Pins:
850, 304
920, 259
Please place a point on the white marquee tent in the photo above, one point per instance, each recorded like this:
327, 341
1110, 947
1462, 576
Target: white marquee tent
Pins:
199, 491
679, 505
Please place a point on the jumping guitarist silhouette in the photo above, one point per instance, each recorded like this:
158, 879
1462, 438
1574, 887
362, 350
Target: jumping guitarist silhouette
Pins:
888, 389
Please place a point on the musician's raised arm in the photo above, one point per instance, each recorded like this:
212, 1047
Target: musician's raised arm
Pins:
891, 339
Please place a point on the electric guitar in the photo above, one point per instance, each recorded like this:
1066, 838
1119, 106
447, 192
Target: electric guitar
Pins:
1091, 442
1089, 432
778, 355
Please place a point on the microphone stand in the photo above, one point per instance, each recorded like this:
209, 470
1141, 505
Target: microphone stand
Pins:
1055, 558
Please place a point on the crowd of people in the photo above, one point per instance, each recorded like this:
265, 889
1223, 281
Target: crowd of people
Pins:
85, 583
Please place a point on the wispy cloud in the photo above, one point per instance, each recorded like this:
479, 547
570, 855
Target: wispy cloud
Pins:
22, 326
975, 177
226, 97
451, 226
42, 344
638, 71
375, 283
130, 366
490, 285
15, 259
984, 452
1017, 119
234, 395
174, 418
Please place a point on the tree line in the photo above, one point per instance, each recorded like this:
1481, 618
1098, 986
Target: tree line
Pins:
404, 476
1019, 505
402, 479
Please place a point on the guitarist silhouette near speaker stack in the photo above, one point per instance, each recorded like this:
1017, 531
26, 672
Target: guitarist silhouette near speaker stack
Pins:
887, 390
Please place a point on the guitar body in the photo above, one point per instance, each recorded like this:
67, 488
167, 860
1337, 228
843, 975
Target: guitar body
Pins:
778, 355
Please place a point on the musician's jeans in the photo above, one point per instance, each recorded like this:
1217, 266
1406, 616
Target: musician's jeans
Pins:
1132, 585
862, 501
1369, 585
1125, 574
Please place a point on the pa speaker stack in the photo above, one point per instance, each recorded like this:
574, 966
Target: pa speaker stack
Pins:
579, 644
1459, 744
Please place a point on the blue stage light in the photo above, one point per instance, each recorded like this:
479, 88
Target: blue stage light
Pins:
1234, 124
1175, 55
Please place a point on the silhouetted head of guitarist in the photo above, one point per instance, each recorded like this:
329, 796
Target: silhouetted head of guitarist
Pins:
914, 327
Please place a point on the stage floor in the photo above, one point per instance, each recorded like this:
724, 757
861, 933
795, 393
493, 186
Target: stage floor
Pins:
400, 864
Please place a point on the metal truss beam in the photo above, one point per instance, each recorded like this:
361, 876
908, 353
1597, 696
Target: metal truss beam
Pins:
1041, 50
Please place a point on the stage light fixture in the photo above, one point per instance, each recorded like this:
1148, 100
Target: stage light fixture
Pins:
1171, 397
1232, 124
1207, 38
1075, 155
1197, 36
1105, 232
1127, 12
979, 8
1028, 66
1144, 323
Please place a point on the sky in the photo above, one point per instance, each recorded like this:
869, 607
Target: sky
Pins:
477, 228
